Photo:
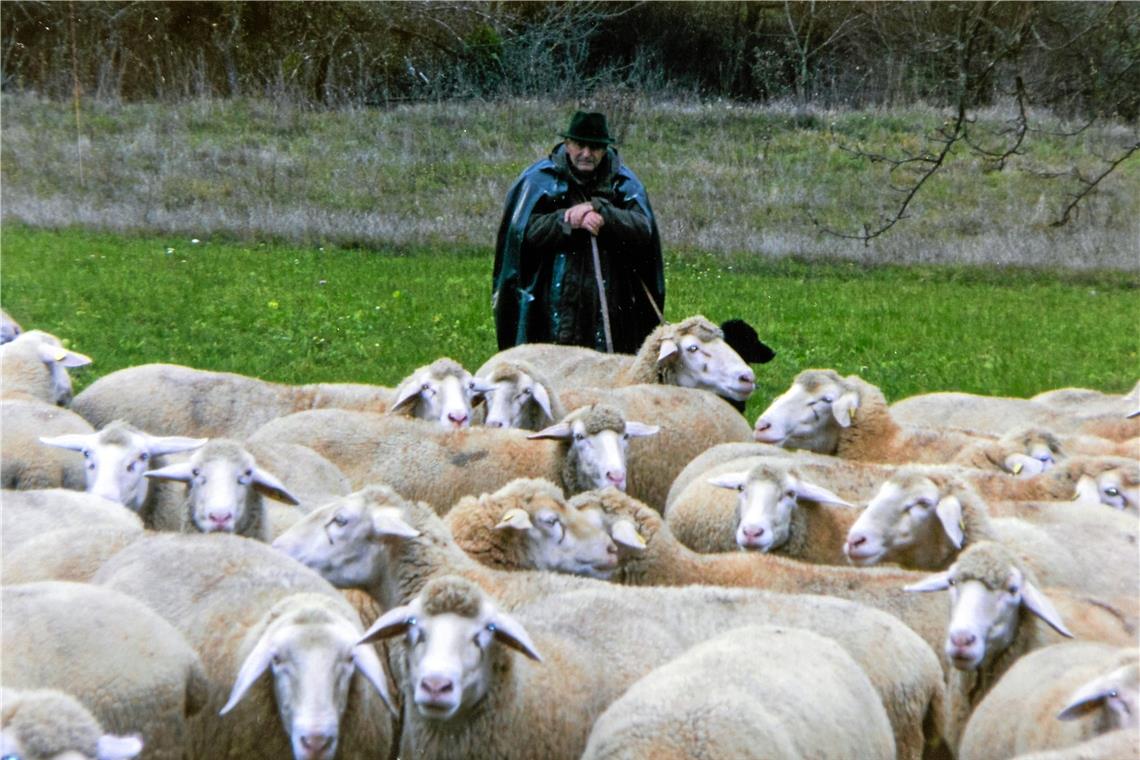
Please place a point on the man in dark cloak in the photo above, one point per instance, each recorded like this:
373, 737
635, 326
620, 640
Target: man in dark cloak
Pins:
545, 287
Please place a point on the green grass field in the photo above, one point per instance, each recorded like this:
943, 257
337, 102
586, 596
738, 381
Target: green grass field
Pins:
306, 314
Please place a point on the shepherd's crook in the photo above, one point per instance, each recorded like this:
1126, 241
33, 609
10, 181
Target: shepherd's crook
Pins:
602, 295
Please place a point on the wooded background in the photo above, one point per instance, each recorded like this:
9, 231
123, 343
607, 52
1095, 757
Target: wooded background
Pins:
1076, 58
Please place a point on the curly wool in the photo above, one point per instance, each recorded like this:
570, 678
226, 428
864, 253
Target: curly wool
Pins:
451, 594
473, 519
48, 722
645, 368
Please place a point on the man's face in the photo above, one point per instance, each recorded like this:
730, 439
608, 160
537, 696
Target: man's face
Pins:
584, 157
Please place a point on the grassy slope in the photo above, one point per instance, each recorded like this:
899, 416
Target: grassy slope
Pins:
302, 314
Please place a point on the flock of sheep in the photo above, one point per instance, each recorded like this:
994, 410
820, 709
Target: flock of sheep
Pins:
563, 554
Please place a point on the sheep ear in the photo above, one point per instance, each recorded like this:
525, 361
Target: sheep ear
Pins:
844, 407
542, 398
71, 441
111, 747
625, 533
668, 348
392, 623
256, 663
1086, 490
640, 429
731, 480
406, 396
559, 431
387, 522
509, 631
267, 485
172, 444
516, 519
949, 511
819, 494
58, 355
366, 661
183, 471
935, 582
1037, 603
1086, 699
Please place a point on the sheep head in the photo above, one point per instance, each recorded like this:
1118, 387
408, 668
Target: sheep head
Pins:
810, 413
442, 392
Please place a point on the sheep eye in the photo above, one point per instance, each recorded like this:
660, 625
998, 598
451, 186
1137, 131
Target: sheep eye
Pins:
550, 520
87, 453
579, 437
790, 495
196, 472
277, 659
525, 392
90, 465
1110, 491
144, 456
340, 521
826, 399
1013, 589
425, 387
1113, 694
951, 582
693, 348
130, 467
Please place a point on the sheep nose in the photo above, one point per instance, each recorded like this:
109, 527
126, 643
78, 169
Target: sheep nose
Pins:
495, 423
856, 540
617, 478
747, 377
437, 686
316, 742
962, 639
220, 518
457, 418
752, 532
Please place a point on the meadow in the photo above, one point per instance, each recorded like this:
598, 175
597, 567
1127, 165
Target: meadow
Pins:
294, 313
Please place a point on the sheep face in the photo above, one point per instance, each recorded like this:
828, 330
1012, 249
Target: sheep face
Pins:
906, 511
42, 347
312, 662
1113, 698
513, 399
987, 594
1117, 487
449, 651
442, 392
598, 438
809, 414
767, 499
707, 363
343, 540
117, 459
224, 485
560, 539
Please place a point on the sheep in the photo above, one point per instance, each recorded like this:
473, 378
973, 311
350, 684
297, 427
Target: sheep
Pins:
533, 526
34, 366
247, 610
441, 392
422, 462
689, 422
9, 328
376, 541
691, 353
849, 417
1055, 697
1114, 745
567, 631
1063, 481
997, 615
1085, 402
704, 704
1032, 450
48, 724
521, 397
133, 670
224, 490
717, 455
1111, 482
116, 458
922, 517
996, 415
66, 554
775, 510
26, 463
27, 514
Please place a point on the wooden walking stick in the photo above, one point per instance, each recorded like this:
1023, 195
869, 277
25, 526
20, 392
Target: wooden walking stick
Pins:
602, 295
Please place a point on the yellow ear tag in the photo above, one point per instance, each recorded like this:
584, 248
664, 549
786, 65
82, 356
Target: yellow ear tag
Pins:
60, 355
1017, 468
852, 413
962, 524
514, 518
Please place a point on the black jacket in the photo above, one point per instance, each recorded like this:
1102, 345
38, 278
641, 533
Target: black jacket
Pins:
544, 288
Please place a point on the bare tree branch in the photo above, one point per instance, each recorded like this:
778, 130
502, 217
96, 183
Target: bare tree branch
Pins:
1089, 185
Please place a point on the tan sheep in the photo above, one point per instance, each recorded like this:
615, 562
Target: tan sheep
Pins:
1056, 697
1114, 745
25, 463
849, 417
800, 696
522, 397
48, 724
33, 366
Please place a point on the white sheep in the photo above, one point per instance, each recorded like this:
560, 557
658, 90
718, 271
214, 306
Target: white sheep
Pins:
24, 461
224, 492
1055, 697
426, 462
799, 696
567, 631
691, 353
996, 415
922, 517
1030, 451
998, 614
442, 392
65, 554
532, 526
116, 458
48, 724
133, 670
34, 365
376, 541
849, 417
251, 612
1086, 402
689, 422
1111, 482
520, 397
9, 328
1113, 745
27, 514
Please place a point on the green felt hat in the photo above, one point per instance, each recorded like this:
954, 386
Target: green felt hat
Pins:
589, 128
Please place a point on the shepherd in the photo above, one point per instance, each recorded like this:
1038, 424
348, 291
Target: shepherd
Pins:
578, 255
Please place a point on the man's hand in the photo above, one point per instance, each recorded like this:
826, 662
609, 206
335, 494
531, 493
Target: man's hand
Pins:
593, 222
575, 214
